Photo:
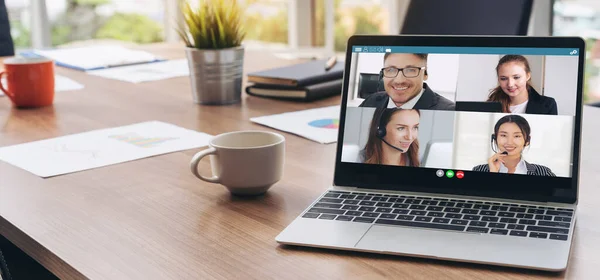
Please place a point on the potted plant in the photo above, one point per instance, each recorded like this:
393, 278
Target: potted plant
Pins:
213, 35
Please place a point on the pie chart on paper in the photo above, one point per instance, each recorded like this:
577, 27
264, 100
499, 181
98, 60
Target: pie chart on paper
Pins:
325, 123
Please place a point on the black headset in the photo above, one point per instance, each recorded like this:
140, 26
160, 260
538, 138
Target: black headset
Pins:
381, 131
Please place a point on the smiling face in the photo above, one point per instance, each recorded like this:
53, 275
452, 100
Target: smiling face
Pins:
511, 139
402, 89
513, 78
402, 129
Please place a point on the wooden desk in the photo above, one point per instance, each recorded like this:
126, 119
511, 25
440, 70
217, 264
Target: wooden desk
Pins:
152, 219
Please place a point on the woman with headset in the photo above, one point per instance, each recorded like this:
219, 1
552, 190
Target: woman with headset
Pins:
512, 134
393, 138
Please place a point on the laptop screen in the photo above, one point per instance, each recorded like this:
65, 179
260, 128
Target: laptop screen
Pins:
494, 117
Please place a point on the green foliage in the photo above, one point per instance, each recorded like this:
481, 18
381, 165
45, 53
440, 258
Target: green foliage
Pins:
132, 28
271, 29
364, 23
91, 2
215, 24
21, 35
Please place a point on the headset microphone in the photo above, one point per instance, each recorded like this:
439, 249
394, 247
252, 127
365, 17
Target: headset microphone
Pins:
381, 132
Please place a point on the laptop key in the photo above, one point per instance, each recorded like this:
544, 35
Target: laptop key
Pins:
327, 217
418, 212
354, 213
559, 237
435, 214
418, 207
429, 202
481, 206
331, 200
348, 196
412, 201
518, 233
363, 220
383, 204
499, 231
310, 215
379, 198
350, 207
559, 213
441, 220
405, 217
453, 216
517, 227
447, 204
477, 229
526, 222
400, 211
340, 192
366, 209
383, 210
459, 222
562, 219
423, 219
332, 195
388, 216
538, 235
517, 209
506, 214
395, 199
452, 210
496, 225
488, 213
344, 218
360, 197
477, 224
535, 211
471, 217
508, 220
419, 224
489, 219
554, 224
548, 229
370, 214
326, 211
350, 201
464, 205
435, 208
499, 208
469, 211
401, 205
564, 209
543, 217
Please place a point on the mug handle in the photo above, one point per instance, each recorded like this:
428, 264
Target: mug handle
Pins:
10, 95
196, 159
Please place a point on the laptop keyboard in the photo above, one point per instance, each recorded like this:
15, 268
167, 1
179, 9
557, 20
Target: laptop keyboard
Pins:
444, 214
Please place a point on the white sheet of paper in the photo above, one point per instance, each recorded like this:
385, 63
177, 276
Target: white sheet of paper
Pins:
320, 125
97, 56
103, 147
145, 72
61, 83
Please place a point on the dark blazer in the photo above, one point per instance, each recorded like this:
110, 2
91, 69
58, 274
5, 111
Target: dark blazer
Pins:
539, 104
429, 100
6, 43
532, 169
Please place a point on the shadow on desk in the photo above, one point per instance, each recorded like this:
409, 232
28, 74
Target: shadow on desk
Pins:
405, 260
17, 265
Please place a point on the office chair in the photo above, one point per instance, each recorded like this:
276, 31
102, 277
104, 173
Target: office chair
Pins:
368, 84
7, 47
467, 17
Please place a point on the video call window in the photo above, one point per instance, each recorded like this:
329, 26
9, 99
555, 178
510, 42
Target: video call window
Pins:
493, 110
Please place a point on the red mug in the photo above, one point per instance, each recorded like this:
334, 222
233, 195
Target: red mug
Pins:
29, 81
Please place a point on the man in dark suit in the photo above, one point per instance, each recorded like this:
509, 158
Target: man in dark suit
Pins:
403, 76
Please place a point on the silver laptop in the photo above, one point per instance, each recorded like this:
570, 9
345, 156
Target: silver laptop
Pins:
416, 177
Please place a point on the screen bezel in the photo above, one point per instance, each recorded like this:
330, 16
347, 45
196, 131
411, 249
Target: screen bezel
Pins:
507, 186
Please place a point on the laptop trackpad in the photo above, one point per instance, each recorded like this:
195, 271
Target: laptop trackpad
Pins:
483, 248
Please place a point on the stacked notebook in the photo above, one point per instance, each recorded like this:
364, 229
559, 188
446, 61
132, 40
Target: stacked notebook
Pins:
304, 82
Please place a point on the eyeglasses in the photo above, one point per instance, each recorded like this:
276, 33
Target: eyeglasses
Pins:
408, 72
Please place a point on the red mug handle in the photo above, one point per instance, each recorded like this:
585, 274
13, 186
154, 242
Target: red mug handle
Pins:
10, 95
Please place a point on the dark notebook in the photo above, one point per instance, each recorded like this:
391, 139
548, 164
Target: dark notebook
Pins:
298, 75
307, 93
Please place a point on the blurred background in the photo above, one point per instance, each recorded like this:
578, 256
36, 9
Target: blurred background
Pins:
294, 26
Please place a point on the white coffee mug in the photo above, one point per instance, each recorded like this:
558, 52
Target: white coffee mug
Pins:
246, 162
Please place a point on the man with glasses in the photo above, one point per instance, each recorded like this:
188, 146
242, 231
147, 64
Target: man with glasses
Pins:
403, 76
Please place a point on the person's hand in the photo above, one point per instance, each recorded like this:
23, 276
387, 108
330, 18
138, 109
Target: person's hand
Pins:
494, 162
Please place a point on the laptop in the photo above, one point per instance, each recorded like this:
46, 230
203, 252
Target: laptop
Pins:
518, 217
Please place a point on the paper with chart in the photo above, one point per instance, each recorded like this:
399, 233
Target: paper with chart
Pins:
145, 72
61, 83
103, 147
320, 125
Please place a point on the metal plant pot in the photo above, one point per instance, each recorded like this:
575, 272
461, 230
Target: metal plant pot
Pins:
216, 75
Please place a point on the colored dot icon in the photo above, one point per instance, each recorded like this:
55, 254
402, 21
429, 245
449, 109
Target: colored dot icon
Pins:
449, 173
460, 174
440, 173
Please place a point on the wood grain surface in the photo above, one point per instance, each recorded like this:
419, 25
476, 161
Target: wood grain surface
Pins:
152, 219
